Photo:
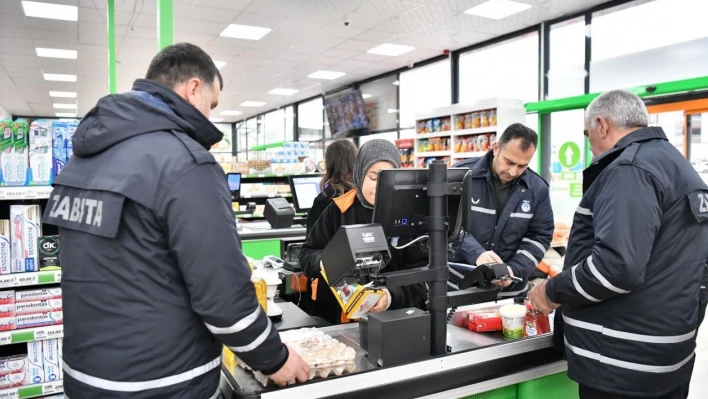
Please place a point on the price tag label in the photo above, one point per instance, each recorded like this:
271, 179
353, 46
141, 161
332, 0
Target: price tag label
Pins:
30, 193
279, 174
10, 394
57, 276
5, 339
8, 281
54, 332
3, 194
27, 280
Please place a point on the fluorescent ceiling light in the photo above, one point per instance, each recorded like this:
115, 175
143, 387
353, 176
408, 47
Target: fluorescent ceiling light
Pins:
219, 64
63, 94
283, 92
50, 11
66, 114
65, 106
255, 104
365, 96
58, 77
391, 50
396, 83
57, 53
216, 120
245, 32
230, 113
497, 9
392, 111
328, 75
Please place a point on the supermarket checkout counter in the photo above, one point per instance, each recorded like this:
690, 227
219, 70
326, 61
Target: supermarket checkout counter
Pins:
262, 231
477, 362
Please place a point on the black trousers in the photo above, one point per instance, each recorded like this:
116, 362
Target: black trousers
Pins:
590, 393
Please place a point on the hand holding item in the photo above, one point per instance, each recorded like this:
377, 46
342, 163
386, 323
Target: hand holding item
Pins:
540, 300
383, 302
294, 370
506, 282
488, 257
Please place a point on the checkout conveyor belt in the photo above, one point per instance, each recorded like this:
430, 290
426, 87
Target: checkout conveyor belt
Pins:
477, 363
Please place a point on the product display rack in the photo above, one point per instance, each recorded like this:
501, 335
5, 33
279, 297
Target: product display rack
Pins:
25, 192
29, 279
31, 334
33, 391
452, 138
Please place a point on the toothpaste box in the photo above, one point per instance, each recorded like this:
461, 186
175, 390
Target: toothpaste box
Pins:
7, 297
37, 295
35, 362
6, 152
14, 380
39, 319
8, 310
40, 153
20, 153
42, 306
61, 358
49, 253
68, 144
58, 146
5, 259
13, 364
8, 323
25, 230
50, 349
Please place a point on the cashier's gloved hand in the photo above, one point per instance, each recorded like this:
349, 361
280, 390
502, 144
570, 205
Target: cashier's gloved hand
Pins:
383, 302
540, 300
294, 369
488, 257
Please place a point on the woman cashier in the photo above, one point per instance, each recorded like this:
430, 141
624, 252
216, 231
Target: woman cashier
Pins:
356, 207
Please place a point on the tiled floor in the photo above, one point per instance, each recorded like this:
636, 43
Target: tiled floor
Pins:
699, 382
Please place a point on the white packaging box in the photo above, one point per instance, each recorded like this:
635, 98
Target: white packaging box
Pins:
25, 230
13, 364
5, 259
37, 295
8, 323
7, 297
35, 362
61, 358
8, 310
42, 306
14, 380
50, 349
40, 152
39, 319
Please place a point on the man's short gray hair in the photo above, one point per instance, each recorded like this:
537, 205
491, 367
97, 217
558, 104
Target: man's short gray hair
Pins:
622, 108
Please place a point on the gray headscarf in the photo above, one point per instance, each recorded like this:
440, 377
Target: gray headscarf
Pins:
371, 152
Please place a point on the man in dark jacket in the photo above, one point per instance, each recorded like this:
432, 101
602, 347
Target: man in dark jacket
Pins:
511, 209
154, 281
636, 254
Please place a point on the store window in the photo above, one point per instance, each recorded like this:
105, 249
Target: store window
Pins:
673, 125
626, 52
275, 126
698, 145
567, 163
380, 97
532, 122
289, 124
508, 69
566, 69
390, 136
251, 133
310, 121
423, 89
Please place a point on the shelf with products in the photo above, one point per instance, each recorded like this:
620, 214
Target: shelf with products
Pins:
33, 391
29, 279
20, 193
31, 334
464, 130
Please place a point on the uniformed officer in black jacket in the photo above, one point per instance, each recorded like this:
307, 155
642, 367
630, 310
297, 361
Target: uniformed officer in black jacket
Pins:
154, 281
629, 291
510, 205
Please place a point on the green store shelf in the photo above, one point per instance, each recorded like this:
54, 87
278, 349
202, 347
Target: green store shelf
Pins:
31, 334
554, 386
28, 279
266, 146
509, 392
33, 391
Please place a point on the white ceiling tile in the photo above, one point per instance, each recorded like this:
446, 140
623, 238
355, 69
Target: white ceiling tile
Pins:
14, 31
402, 26
93, 27
365, 21
341, 53
466, 21
226, 43
261, 20
275, 7
7, 19
309, 49
387, 8
377, 36
194, 38
11, 7
501, 27
342, 31
51, 24
284, 36
532, 16
138, 43
291, 56
328, 10
9, 50
471, 37
225, 4
54, 35
373, 58
323, 41
359, 45
145, 33
356, 64
294, 24
264, 54
210, 15
456, 5
430, 15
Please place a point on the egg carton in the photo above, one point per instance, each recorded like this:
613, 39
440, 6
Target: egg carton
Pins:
322, 353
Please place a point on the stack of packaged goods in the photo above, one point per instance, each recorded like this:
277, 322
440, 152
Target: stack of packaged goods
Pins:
30, 308
476, 120
22, 247
42, 363
32, 155
434, 125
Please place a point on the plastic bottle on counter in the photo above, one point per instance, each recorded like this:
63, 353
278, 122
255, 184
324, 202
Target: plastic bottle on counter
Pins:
535, 323
261, 291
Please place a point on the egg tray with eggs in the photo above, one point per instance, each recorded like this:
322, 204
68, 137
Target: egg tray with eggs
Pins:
322, 353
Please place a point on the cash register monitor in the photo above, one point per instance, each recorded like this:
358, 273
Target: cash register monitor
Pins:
234, 182
305, 188
402, 203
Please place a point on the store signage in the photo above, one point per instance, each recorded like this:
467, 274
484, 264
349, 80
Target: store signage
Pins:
569, 154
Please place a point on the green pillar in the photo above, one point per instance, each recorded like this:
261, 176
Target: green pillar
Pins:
111, 17
165, 24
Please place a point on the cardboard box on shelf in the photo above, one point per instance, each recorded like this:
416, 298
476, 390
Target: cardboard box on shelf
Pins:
41, 306
5, 258
50, 350
25, 230
39, 319
35, 362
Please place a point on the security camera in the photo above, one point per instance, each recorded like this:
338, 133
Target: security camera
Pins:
347, 22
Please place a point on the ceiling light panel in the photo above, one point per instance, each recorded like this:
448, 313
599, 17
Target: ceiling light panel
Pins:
58, 77
219, 64
62, 94
50, 11
66, 114
230, 113
254, 104
283, 92
391, 50
326, 75
57, 53
498, 9
64, 106
216, 120
245, 32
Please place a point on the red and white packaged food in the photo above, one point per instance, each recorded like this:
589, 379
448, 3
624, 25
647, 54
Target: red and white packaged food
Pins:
484, 321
